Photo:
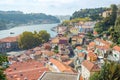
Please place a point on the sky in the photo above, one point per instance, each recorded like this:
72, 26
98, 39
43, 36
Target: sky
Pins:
53, 7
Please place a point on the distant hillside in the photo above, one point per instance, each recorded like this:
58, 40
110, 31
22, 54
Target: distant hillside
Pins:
10, 19
63, 18
91, 13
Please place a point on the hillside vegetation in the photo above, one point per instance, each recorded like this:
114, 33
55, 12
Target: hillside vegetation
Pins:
10, 19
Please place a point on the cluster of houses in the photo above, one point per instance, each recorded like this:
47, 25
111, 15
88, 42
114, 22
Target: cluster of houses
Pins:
68, 63
9, 44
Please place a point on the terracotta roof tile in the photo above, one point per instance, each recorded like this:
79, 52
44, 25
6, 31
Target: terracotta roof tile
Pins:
117, 48
91, 54
62, 67
92, 44
90, 66
9, 39
31, 70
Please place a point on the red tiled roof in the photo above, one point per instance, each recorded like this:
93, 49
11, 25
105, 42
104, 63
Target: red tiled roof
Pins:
90, 66
92, 44
68, 62
103, 41
31, 70
62, 67
117, 48
91, 54
103, 47
9, 39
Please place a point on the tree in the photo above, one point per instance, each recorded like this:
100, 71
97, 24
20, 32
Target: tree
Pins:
3, 59
115, 32
29, 40
94, 76
44, 36
26, 40
2, 75
107, 22
114, 14
99, 27
110, 71
56, 49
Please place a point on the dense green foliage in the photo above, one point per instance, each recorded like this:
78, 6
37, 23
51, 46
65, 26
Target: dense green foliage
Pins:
91, 13
10, 19
29, 40
2, 75
3, 59
90, 36
107, 22
118, 10
115, 32
76, 20
110, 71
56, 49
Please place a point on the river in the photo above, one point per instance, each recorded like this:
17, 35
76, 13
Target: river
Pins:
20, 29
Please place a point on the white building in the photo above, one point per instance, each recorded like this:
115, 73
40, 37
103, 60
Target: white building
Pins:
116, 53
88, 69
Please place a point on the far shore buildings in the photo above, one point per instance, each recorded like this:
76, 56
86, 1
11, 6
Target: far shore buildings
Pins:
106, 13
9, 44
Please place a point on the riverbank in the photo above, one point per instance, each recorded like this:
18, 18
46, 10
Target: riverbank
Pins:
20, 29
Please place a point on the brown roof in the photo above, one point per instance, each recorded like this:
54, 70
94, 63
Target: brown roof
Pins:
9, 39
91, 54
103, 41
90, 66
21, 70
92, 44
48, 53
103, 47
62, 67
117, 48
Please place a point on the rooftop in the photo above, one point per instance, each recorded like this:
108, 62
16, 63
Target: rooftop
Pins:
90, 66
31, 70
58, 76
9, 39
117, 48
62, 67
